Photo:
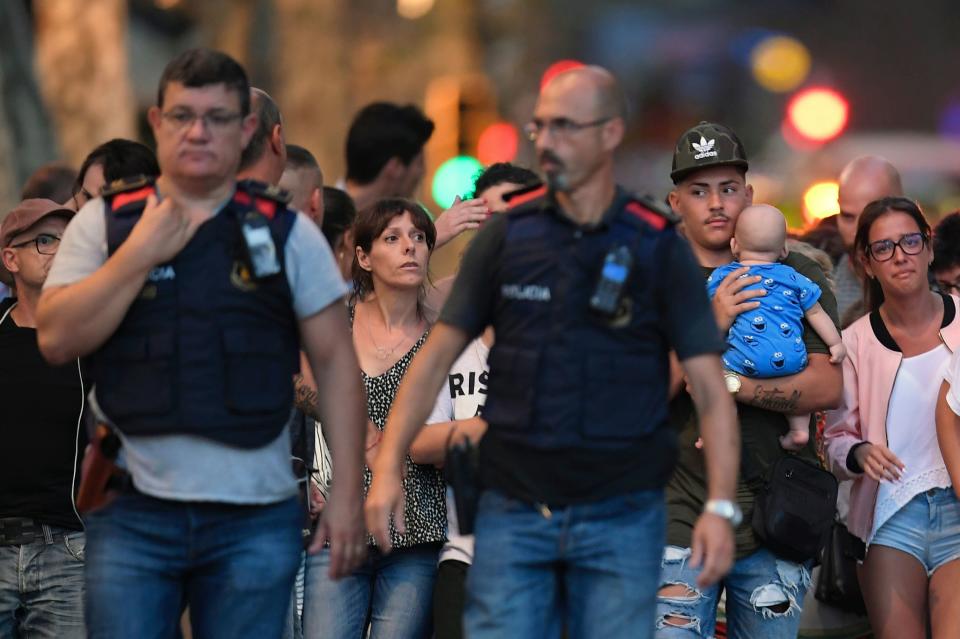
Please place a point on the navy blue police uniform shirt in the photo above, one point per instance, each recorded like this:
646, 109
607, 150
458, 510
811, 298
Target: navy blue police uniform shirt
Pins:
574, 475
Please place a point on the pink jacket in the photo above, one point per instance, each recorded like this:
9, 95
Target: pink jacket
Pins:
869, 370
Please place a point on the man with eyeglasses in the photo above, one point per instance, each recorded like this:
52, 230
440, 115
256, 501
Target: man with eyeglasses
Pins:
41, 535
862, 180
587, 289
191, 298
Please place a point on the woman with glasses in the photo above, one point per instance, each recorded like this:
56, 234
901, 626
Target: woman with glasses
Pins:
884, 437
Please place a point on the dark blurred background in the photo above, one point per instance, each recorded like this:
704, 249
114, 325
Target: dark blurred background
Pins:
862, 76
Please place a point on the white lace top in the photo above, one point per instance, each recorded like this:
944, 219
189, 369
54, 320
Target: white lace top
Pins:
912, 433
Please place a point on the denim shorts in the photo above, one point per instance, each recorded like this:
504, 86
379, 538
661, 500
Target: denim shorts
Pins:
927, 527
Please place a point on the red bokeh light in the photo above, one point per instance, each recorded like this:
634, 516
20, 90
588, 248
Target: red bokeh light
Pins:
557, 68
498, 143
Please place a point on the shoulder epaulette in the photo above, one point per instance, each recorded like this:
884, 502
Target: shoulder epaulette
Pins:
268, 199
516, 199
651, 211
126, 191
256, 188
124, 185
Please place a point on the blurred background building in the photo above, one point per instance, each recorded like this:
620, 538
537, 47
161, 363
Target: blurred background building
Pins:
808, 84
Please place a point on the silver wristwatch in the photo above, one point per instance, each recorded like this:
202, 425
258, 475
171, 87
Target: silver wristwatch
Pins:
725, 508
733, 382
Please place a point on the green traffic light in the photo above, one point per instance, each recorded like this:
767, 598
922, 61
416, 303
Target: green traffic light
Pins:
454, 177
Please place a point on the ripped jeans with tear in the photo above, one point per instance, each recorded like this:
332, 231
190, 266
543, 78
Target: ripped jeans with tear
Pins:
764, 598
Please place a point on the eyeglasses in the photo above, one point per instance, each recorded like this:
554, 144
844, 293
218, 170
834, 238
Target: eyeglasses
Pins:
559, 127
910, 244
46, 244
215, 121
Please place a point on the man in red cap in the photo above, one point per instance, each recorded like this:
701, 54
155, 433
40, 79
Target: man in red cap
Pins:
41, 535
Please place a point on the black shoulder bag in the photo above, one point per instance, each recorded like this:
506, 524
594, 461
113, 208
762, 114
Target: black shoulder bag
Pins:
837, 584
794, 510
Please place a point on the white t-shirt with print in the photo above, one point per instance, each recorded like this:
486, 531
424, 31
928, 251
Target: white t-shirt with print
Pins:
462, 397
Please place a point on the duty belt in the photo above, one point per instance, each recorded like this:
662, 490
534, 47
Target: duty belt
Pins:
19, 531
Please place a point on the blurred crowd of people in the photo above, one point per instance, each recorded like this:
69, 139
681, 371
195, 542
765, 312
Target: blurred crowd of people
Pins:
231, 387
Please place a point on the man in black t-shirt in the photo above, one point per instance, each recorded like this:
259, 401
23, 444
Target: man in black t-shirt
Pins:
586, 288
764, 593
41, 535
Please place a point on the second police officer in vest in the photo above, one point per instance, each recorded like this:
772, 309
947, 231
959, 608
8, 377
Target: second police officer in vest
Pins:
587, 290
192, 298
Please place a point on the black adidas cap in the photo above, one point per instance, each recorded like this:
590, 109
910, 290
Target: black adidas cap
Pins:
705, 145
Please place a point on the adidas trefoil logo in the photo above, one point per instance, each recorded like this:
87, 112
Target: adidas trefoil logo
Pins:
704, 149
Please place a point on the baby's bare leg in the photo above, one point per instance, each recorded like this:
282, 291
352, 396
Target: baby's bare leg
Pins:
799, 433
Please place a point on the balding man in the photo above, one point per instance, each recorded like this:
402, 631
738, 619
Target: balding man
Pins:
863, 180
303, 180
587, 289
265, 157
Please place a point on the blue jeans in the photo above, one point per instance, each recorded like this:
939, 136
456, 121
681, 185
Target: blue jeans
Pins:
927, 528
390, 592
232, 565
293, 626
764, 598
41, 589
592, 567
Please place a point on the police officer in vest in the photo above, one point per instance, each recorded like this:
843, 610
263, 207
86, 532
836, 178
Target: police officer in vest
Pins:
587, 289
191, 297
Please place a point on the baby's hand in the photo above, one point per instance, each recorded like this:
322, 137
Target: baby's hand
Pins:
837, 353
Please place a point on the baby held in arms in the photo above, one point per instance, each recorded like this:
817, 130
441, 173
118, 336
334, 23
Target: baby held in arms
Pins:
768, 341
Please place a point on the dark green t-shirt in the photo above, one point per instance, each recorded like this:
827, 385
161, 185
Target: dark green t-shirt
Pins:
760, 431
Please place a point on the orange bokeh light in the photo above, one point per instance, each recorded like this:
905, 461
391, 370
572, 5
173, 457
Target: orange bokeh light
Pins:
818, 114
820, 201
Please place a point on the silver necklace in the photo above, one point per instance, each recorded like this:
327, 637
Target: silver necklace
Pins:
382, 352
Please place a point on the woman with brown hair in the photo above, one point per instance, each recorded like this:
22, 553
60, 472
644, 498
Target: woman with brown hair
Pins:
390, 592
884, 433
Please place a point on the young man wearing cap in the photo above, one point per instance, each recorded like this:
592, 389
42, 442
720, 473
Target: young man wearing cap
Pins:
41, 535
763, 592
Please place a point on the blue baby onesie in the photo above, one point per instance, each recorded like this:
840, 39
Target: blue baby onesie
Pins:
768, 341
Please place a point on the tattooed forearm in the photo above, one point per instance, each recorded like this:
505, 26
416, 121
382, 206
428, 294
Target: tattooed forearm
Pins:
775, 399
307, 399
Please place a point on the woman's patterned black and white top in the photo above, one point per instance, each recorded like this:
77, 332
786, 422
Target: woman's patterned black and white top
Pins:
425, 512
